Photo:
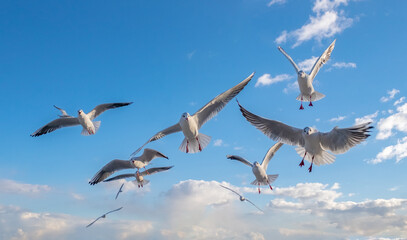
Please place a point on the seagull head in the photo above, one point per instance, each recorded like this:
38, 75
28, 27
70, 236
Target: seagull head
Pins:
242, 198
80, 112
185, 116
301, 73
309, 130
257, 164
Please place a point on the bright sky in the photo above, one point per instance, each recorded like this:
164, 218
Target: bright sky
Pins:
173, 57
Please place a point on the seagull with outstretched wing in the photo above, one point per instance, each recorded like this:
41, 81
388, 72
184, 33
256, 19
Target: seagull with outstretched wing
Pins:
90, 127
307, 92
259, 170
195, 141
120, 190
103, 216
311, 144
241, 197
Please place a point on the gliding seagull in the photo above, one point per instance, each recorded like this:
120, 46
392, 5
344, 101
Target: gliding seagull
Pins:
241, 197
103, 216
120, 190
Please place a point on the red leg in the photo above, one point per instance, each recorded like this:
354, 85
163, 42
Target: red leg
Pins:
259, 188
138, 185
146, 171
200, 149
187, 146
310, 102
302, 162
270, 186
310, 168
301, 107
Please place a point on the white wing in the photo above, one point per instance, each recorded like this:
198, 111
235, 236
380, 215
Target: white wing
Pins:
340, 140
155, 170
56, 124
99, 109
275, 130
238, 158
64, 114
289, 59
149, 154
270, 153
322, 60
122, 176
109, 169
218, 103
231, 190
253, 204
173, 129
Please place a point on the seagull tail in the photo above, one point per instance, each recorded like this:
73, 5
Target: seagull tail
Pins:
195, 145
97, 125
315, 96
323, 158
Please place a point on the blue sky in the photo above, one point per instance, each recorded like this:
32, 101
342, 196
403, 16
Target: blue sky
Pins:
172, 57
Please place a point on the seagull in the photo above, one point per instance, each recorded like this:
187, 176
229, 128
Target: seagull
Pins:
259, 170
135, 162
242, 198
190, 125
103, 216
305, 81
309, 140
120, 190
90, 127
140, 177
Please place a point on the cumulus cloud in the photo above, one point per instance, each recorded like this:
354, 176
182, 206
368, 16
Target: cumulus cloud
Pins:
397, 121
266, 79
272, 2
344, 65
291, 87
328, 21
337, 119
8, 186
218, 142
398, 151
391, 94
307, 64
367, 118
399, 101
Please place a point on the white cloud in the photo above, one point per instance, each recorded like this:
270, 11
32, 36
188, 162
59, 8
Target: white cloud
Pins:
8, 186
367, 118
398, 151
307, 64
397, 121
272, 2
291, 87
344, 65
401, 100
335, 186
266, 79
391, 94
394, 188
337, 119
218, 142
327, 22
191, 54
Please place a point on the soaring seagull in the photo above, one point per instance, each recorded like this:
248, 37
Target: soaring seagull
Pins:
103, 216
241, 197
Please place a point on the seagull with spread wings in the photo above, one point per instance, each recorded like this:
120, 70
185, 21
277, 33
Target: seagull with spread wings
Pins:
311, 144
195, 141
140, 176
120, 190
86, 120
103, 216
307, 92
135, 162
241, 197
259, 170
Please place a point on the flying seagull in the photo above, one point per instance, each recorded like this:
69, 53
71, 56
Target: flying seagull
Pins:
103, 216
120, 190
190, 125
135, 162
140, 176
307, 92
241, 197
311, 144
259, 170
86, 120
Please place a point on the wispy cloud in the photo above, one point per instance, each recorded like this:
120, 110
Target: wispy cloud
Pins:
191, 54
344, 65
272, 2
327, 22
367, 118
8, 186
307, 64
398, 151
266, 79
291, 87
397, 121
337, 119
391, 94
218, 142
399, 101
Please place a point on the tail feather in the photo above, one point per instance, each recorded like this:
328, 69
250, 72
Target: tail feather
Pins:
271, 178
85, 132
321, 159
96, 124
315, 96
193, 145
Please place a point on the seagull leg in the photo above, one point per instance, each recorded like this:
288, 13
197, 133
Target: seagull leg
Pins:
187, 146
138, 185
137, 173
310, 168
259, 188
146, 171
270, 185
301, 107
200, 149
310, 102
302, 162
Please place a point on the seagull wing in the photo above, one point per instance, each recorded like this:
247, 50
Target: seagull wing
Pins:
289, 59
275, 130
173, 129
90, 224
122, 176
109, 169
322, 60
99, 109
154, 170
149, 154
120, 190
218, 103
56, 124
231, 190
238, 158
114, 210
64, 114
270, 153
254, 204
340, 140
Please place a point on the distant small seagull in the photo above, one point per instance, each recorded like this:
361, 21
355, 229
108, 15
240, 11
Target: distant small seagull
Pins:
309, 140
103, 216
135, 162
140, 176
242, 198
86, 120
120, 190
190, 125
259, 170
305, 81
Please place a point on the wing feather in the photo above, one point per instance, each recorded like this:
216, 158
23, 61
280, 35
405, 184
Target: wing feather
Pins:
155, 170
109, 169
289, 59
99, 109
238, 158
56, 124
270, 153
322, 60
